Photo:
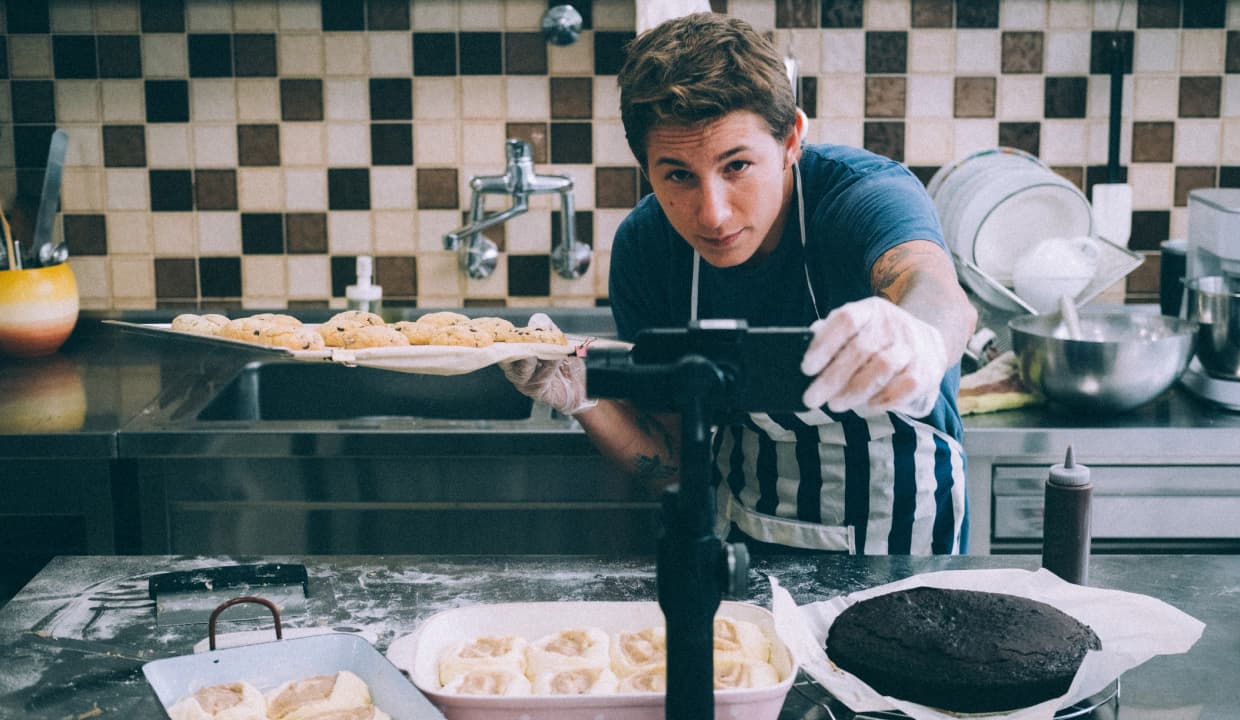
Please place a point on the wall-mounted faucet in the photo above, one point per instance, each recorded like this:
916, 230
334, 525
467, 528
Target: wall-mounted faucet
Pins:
479, 254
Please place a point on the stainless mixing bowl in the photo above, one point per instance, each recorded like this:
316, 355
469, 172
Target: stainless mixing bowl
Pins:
1123, 358
1216, 309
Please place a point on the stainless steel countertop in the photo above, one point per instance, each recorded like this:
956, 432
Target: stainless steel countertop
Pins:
73, 639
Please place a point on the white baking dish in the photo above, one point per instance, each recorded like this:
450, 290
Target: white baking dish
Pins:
268, 665
418, 656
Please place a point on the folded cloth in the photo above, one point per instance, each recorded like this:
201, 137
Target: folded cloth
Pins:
995, 386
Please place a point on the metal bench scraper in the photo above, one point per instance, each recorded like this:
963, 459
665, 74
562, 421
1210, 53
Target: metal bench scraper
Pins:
187, 597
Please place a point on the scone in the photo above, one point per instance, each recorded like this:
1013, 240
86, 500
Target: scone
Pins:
462, 336
312, 696
531, 335
247, 329
277, 319
738, 674
293, 338
493, 325
209, 324
415, 332
571, 649
444, 318
739, 640
370, 336
632, 651
494, 652
580, 681
489, 681
337, 324
228, 701
652, 679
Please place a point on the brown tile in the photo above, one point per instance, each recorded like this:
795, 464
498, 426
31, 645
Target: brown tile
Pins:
529, 275
124, 146
1072, 173
1144, 280
387, 14
398, 276
1159, 13
1232, 64
1200, 97
258, 145
495, 233
306, 233
176, 278
885, 97
1022, 52
615, 187
842, 13
301, 99
572, 142
1191, 178
572, 97
485, 303
1025, 136
1149, 229
308, 304
1064, 97
254, 55
437, 189
974, 97
525, 53
533, 133
1153, 141
886, 52
86, 235
796, 13
932, 13
885, 138
977, 13
215, 189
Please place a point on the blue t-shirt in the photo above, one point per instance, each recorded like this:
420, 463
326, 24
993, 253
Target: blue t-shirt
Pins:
858, 205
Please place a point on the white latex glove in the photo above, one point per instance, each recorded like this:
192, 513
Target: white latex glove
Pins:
558, 383
872, 356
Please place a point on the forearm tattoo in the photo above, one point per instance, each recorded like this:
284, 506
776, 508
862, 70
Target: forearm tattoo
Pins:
653, 467
891, 270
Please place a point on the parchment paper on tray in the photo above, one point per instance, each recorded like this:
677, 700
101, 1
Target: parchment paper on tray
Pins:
1133, 628
444, 359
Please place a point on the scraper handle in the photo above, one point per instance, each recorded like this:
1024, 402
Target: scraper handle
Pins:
215, 614
228, 576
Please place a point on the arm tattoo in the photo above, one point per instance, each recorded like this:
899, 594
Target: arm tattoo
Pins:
652, 468
893, 270
650, 425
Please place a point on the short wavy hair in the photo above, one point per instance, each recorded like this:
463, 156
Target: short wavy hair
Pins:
697, 68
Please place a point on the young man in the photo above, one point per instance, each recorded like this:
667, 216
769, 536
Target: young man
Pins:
747, 223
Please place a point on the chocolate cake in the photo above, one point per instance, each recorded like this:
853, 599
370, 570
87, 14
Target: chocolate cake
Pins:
960, 650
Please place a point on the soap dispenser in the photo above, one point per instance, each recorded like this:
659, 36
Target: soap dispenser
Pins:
364, 295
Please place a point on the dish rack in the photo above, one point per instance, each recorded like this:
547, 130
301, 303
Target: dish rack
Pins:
1115, 262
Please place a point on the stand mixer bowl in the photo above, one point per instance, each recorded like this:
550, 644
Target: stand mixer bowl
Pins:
1213, 302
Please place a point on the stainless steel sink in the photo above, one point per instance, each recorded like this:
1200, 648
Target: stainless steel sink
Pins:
310, 391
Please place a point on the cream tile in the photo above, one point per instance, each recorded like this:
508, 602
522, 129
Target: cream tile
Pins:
610, 145
300, 54
8, 178
123, 101
305, 189
977, 52
758, 13
6, 102
219, 233
602, 271
263, 276
348, 232
1022, 14
482, 15
215, 145
258, 100
208, 16
348, 144
525, 15
1069, 16
888, 14
395, 232
168, 146
262, 303
806, 47
1067, 53
1064, 142
931, 51
1113, 14
436, 143
82, 190
255, 16
259, 189
843, 51
842, 96
1179, 222
928, 142
173, 234
434, 15
432, 225
93, 279
213, 99
133, 278
482, 143
129, 233
575, 59
165, 55
440, 280
1156, 50
345, 100
482, 97
970, 136
309, 276
345, 54
1203, 51
77, 102
528, 233
391, 53
564, 290
1156, 97
1020, 97
391, 188
529, 98
302, 144
607, 97
1230, 105
614, 15
1099, 142
117, 16
300, 15
436, 98
1098, 100
843, 132
85, 146
8, 173
606, 223
30, 56
494, 286
127, 189
929, 96
583, 185
1153, 185
1197, 142
71, 16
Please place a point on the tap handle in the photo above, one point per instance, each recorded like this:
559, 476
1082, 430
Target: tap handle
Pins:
518, 150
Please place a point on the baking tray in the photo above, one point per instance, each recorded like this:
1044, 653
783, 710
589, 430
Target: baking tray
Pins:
426, 359
418, 654
268, 665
